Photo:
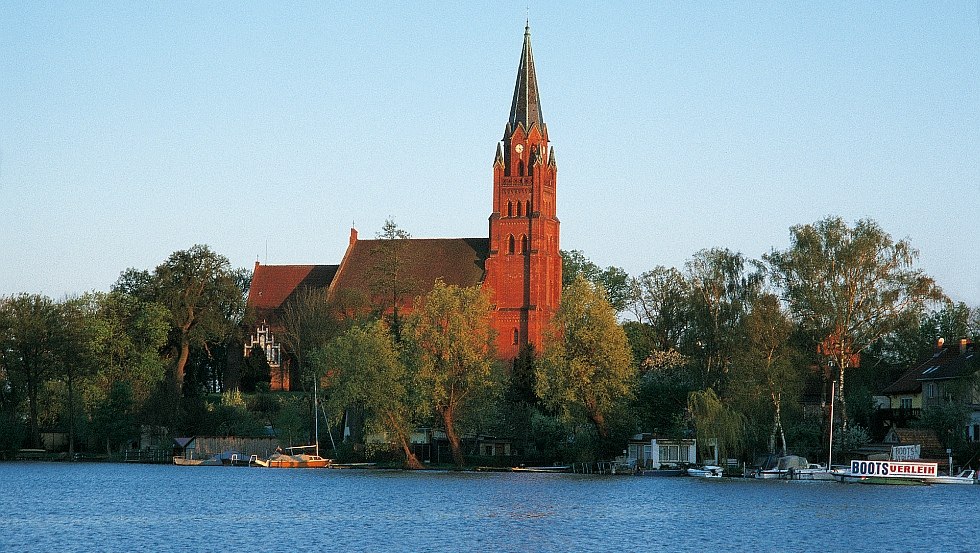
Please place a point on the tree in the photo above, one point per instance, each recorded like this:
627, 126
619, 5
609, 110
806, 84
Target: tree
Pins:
715, 423
309, 322
363, 368
79, 336
849, 286
586, 369
450, 346
660, 298
388, 278
765, 365
614, 280
722, 289
203, 295
27, 344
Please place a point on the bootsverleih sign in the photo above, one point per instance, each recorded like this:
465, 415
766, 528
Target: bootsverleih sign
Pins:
893, 469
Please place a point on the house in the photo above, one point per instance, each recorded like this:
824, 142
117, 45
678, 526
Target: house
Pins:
947, 374
518, 262
649, 451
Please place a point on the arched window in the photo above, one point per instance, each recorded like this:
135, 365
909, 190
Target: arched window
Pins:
520, 209
527, 208
517, 337
510, 209
520, 167
510, 244
524, 243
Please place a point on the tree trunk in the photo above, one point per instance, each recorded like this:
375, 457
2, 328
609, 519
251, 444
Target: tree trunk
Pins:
842, 365
454, 446
32, 386
185, 353
411, 461
71, 417
600, 424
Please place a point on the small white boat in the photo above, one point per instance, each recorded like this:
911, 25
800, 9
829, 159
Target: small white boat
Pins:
562, 468
707, 471
966, 476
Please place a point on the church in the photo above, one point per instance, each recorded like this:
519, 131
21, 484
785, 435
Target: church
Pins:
518, 263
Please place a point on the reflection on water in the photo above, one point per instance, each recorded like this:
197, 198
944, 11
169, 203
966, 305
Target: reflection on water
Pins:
115, 507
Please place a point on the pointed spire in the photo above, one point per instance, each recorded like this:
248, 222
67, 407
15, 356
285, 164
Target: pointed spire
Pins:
499, 158
551, 157
525, 108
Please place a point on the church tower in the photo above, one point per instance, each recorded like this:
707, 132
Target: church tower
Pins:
523, 269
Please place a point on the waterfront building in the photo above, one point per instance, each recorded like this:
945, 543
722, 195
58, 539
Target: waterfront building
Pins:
518, 263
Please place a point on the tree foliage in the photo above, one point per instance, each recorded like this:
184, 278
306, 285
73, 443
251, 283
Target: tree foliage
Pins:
850, 286
449, 342
364, 368
614, 280
586, 370
715, 423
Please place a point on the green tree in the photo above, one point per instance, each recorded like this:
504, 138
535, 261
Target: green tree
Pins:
449, 343
715, 423
364, 368
586, 369
390, 281
850, 286
765, 367
722, 289
202, 294
79, 337
661, 299
614, 280
27, 347
113, 419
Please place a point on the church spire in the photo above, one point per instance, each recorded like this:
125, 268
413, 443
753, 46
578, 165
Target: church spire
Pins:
525, 108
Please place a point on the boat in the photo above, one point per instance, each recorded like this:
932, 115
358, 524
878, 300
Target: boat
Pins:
557, 468
793, 467
187, 462
966, 476
706, 471
296, 457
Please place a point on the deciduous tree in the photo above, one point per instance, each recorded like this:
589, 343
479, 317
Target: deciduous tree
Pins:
363, 368
850, 286
450, 347
586, 369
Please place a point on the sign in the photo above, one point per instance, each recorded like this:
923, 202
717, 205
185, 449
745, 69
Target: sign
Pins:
906, 452
894, 469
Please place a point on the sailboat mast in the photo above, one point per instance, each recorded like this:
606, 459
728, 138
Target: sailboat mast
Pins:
316, 419
830, 447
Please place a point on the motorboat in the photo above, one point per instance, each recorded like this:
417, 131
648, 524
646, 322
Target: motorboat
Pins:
966, 476
706, 471
296, 457
794, 467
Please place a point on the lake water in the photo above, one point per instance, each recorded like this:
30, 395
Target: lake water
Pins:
120, 507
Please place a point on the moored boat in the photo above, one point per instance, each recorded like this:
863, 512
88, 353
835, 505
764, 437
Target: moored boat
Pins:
967, 476
706, 471
296, 458
561, 468
889, 472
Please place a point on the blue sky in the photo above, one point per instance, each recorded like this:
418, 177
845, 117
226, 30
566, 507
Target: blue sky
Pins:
131, 130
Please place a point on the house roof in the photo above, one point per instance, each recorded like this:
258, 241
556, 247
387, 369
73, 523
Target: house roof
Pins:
947, 362
912, 436
272, 285
421, 261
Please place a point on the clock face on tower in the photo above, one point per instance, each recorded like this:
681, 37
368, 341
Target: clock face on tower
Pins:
519, 148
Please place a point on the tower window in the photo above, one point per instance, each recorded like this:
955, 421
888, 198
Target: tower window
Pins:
524, 243
510, 244
520, 167
520, 209
510, 209
517, 337
527, 208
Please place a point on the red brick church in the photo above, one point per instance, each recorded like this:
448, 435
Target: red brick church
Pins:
519, 263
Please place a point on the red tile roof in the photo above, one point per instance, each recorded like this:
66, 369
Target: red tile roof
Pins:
954, 360
456, 261
272, 285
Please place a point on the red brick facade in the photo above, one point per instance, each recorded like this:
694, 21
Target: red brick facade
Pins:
523, 267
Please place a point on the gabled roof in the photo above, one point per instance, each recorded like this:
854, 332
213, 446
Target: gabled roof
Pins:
912, 436
273, 285
422, 261
947, 362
